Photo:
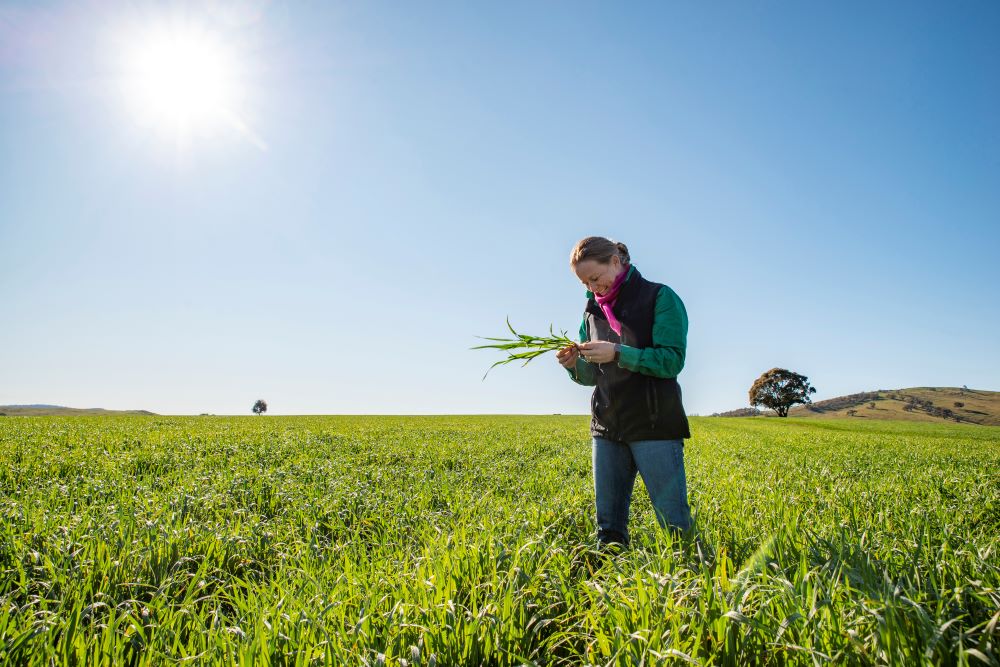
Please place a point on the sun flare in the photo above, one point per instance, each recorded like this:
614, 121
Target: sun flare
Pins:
183, 81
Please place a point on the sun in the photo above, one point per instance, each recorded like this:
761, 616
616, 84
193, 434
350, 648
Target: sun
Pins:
182, 80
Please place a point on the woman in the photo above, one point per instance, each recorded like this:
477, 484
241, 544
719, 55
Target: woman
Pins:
633, 337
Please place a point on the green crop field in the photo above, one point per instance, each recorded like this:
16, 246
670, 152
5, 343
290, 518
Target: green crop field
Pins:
469, 540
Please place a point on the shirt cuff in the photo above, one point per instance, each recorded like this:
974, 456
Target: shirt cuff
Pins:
628, 358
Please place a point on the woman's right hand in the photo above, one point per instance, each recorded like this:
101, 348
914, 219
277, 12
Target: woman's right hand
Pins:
567, 356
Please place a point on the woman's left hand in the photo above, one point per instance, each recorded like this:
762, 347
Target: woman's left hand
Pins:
598, 351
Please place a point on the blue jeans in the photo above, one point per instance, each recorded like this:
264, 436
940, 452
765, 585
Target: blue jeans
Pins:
661, 464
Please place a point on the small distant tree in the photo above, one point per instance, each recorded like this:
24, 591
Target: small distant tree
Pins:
260, 407
871, 406
851, 413
780, 389
959, 404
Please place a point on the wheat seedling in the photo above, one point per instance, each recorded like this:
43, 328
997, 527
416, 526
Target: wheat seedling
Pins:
523, 347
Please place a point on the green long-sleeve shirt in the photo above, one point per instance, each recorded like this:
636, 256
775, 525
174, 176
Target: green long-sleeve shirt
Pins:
664, 359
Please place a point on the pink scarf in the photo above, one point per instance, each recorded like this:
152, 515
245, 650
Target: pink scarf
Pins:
607, 300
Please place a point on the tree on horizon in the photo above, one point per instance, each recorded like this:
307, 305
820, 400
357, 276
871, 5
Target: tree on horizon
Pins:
260, 407
779, 389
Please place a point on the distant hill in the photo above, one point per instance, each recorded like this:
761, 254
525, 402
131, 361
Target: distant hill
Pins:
739, 412
38, 410
928, 404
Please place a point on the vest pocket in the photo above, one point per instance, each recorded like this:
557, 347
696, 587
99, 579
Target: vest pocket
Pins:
652, 402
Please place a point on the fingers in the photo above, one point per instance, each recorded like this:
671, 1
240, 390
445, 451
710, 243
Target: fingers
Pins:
567, 356
596, 351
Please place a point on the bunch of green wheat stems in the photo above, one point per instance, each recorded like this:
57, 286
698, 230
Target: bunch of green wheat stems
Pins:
524, 347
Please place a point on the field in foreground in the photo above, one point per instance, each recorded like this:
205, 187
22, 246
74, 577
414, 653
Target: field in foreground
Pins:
467, 540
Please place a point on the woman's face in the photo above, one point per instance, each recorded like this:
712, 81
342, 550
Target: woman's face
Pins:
598, 277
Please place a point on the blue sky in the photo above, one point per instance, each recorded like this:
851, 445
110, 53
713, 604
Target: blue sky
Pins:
819, 182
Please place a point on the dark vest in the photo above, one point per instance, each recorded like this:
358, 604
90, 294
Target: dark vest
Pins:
629, 406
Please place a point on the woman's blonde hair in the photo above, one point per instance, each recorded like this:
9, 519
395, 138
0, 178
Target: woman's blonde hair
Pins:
599, 249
